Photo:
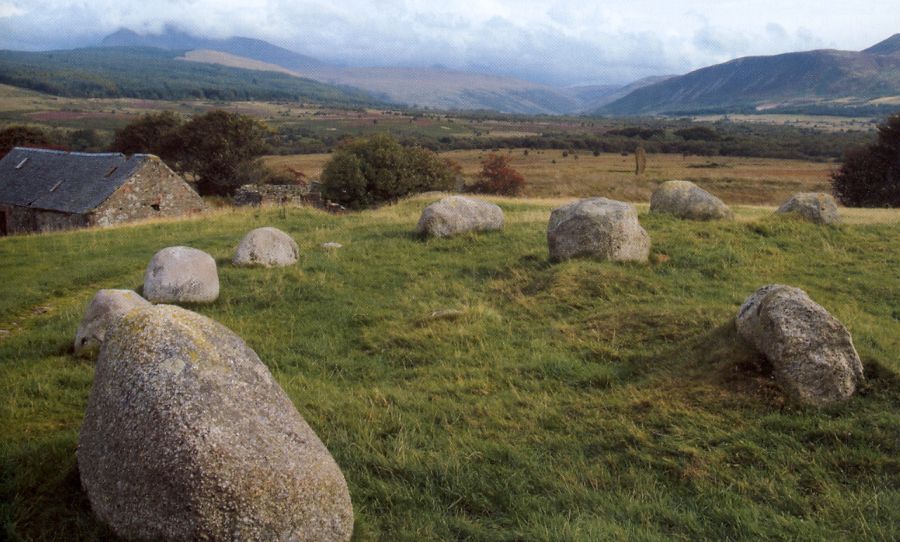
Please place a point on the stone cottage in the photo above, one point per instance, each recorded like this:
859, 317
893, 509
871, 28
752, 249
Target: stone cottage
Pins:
45, 190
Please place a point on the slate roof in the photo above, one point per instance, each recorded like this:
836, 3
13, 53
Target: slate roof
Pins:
69, 182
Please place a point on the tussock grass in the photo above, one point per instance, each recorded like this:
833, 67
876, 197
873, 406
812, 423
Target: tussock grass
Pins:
579, 401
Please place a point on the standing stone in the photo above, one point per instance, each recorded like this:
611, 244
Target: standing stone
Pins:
104, 310
811, 352
813, 206
181, 275
685, 199
455, 215
640, 161
187, 436
597, 227
267, 247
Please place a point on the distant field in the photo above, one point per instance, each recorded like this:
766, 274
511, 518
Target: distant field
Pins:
735, 180
816, 122
582, 401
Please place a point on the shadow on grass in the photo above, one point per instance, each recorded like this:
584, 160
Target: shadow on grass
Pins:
42, 495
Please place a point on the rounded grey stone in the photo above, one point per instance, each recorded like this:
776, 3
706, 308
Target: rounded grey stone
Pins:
597, 227
187, 436
455, 215
816, 207
181, 275
104, 310
685, 199
811, 352
267, 247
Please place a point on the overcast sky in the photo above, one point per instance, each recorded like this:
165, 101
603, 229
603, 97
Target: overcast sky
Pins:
558, 42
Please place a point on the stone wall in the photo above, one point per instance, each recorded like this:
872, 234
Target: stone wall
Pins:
275, 194
26, 220
153, 191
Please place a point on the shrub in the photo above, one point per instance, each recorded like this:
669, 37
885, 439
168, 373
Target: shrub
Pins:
497, 177
870, 176
371, 171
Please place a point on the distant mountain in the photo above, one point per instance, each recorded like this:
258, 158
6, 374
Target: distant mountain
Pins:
593, 97
889, 46
173, 39
436, 87
151, 73
812, 78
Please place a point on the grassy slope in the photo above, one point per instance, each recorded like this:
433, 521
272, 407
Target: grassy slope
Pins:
579, 401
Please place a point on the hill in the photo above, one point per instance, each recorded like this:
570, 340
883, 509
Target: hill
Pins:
816, 80
580, 401
433, 87
175, 40
143, 72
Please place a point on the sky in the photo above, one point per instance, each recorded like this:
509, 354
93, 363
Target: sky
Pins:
561, 43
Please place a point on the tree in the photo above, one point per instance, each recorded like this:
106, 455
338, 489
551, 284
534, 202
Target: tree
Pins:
221, 150
366, 172
498, 177
21, 136
154, 133
870, 176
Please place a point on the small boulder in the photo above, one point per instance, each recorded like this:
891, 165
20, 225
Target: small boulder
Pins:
181, 275
455, 215
685, 199
597, 227
267, 247
816, 207
811, 352
104, 310
187, 436
331, 245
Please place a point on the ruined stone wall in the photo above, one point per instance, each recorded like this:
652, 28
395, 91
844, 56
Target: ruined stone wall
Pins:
274, 194
26, 220
153, 191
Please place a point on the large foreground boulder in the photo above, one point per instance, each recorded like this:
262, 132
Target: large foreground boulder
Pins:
811, 352
816, 207
188, 437
181, 275
104, 311
455, 215
267, 247
597, 227
685, 199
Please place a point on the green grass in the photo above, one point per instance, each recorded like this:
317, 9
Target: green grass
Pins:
580, 401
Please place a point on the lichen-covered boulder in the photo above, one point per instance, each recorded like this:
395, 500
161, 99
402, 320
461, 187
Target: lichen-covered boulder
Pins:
267, 247
685, 199
187, 436
811, 352
458, 214
816, 207
104, 310
597, 227
181, 275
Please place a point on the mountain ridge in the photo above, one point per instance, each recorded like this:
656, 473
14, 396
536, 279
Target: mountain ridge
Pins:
756, 83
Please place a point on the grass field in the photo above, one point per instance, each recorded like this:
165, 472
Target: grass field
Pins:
580, 401
760, 181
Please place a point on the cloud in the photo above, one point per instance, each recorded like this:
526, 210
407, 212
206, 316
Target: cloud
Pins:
10, 10
561, 42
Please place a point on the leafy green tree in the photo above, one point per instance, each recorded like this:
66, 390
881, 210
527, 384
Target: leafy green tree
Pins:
218, 147
220, 150
375, 170
870, 176
154, 133
22, 136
